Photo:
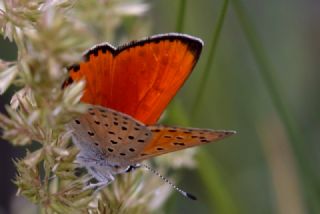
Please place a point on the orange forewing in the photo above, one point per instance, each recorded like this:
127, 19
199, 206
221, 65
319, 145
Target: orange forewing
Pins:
140, 78
169, 139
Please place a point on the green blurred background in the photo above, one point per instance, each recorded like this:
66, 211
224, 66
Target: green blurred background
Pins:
260, 79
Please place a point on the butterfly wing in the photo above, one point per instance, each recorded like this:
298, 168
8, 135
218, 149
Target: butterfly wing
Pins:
105, 134
139, 78
169, 139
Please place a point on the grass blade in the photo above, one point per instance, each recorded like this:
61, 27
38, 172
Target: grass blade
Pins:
291, 127
210, 60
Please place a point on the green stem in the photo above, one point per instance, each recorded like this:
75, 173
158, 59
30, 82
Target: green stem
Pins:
209, 173
220, 199
181, 14
210, 59
289, 123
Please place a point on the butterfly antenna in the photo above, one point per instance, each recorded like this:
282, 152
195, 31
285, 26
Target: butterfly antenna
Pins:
184, 193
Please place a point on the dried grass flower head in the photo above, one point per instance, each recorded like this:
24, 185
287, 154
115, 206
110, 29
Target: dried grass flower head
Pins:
51, 35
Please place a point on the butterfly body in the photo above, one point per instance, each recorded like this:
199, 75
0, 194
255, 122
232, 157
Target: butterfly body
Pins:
111, 142
127, 89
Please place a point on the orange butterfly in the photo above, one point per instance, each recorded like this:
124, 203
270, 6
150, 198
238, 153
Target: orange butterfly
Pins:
128, 88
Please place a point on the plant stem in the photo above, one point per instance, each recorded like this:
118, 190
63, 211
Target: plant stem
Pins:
221, 199
205, 76
181, 14
210, 174
265, 69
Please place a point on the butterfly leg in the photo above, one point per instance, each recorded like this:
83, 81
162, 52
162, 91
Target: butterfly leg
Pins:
98, 186
97, 169
85, 160
103, 177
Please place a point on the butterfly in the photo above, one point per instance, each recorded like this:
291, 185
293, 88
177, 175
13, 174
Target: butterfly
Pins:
127, 88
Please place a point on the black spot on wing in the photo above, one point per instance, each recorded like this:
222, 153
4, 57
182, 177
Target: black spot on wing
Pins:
178, 144
113, 142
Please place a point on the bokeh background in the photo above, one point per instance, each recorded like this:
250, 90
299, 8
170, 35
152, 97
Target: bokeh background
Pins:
259, 77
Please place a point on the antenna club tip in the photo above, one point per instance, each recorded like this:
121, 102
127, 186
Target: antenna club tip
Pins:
192, 197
